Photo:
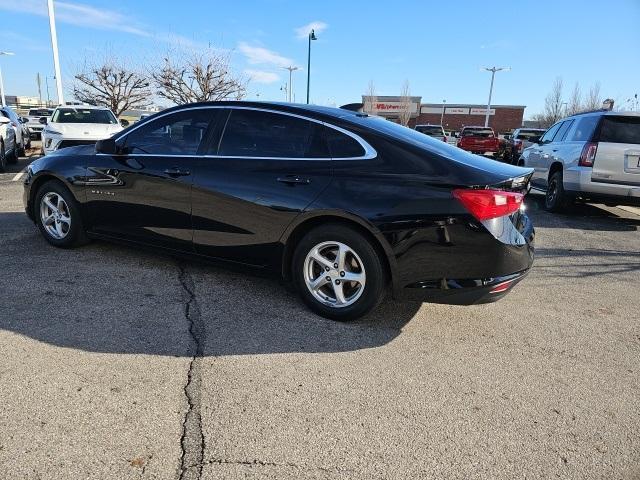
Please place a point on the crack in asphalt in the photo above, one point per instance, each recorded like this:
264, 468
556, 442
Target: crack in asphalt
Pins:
192, 439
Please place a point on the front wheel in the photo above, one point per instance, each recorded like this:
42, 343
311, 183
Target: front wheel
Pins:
338, 273
3, 157
58, 216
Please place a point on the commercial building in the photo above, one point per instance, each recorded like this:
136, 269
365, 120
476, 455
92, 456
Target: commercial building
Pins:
502, 118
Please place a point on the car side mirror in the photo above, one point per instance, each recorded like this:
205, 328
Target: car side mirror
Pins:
24, 120
107, 146
124, 123
43, 120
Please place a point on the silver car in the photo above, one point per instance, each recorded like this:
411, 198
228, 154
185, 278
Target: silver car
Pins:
593, 156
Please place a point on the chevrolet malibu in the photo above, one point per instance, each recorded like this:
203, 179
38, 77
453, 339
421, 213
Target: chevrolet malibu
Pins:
343, 205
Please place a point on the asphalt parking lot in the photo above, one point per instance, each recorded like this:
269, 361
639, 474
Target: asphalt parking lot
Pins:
118, 363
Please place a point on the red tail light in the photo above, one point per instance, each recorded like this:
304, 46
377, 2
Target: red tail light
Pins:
502, 287
14, 124
487, 204
588, 154
519, 145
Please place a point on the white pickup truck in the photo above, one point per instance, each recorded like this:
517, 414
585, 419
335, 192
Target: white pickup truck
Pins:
34, 116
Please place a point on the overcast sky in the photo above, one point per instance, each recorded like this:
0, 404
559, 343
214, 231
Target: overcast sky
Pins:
438, 47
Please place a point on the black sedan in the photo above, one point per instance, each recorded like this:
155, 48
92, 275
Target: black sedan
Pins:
342, 204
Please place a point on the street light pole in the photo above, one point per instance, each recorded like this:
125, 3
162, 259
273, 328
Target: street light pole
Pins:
493, 71
312, 36
4, 102
54, 46
291, 68
444, 103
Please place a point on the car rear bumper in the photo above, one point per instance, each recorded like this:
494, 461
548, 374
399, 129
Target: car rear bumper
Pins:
578, 183
464, 291
465, 262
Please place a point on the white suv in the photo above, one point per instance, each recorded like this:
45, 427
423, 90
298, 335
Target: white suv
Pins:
77, 125
594, 156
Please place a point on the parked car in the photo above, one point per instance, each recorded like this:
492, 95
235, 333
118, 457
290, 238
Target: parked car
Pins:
435, 131
479, 140
520, 139
77, 125
592, 156
338, 202
8, 145
23, 140
34, 124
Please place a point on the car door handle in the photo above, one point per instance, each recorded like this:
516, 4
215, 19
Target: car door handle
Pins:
176, 172
293, 179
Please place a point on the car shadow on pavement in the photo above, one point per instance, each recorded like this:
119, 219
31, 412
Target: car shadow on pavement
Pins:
581, 216
112, 299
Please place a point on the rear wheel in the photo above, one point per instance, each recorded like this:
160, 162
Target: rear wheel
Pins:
338, 273
555, 200
58, 216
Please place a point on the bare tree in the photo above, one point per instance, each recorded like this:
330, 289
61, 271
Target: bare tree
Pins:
200, 77
594, 99
112, 84
405, 104
575, 102
372, 98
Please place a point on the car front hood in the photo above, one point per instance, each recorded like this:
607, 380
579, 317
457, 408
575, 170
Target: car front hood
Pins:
85, 131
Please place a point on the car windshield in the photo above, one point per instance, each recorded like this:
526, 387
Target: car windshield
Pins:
429, 130
530, 133
477, 132
83, 115
40, 113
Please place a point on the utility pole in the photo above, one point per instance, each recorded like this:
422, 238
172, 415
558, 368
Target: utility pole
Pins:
493, 71
54, 46
39, 83
312, 36
291, 68
2, 99
444, 104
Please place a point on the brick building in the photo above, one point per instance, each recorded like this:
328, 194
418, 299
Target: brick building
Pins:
502, 118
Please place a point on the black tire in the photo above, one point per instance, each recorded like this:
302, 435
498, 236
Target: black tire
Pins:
11, 157
374, 284
555, 199
3, 158
75, 234
20, 152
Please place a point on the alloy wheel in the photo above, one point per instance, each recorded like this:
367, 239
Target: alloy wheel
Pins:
334, 274
552, 192
55, 215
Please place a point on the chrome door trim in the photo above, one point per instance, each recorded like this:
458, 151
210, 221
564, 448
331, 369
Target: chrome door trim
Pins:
369, 151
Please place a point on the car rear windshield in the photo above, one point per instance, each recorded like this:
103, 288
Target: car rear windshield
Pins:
477, 132
39, 113
620, 129
83, 115
529, 133
429, 130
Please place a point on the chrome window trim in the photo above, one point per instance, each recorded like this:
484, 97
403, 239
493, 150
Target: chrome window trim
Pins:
369, 151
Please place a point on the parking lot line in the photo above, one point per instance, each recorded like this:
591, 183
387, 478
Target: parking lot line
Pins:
19, 175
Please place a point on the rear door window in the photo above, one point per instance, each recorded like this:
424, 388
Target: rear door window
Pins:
622, 129
259, 134
342, 145
584, 128
562, 131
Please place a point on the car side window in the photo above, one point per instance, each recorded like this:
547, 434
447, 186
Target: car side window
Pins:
549, 134
254, 133
179, 133
584, 128
562, 131
342, 145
